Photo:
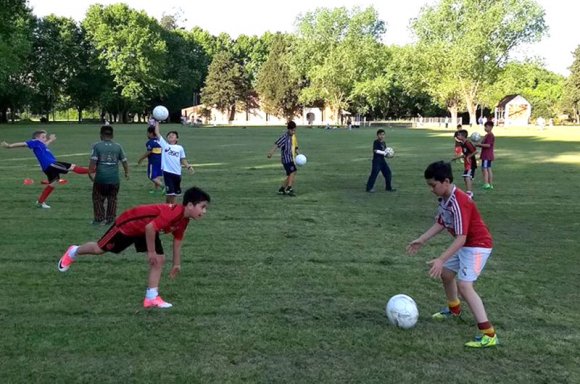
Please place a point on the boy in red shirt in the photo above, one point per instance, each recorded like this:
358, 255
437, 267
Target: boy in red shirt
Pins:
469, 161
461, 263
487, 157
141, 226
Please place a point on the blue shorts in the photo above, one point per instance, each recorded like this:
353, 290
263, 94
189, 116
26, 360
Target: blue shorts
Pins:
154, 171
468, 262
485, 163
290, 168
172, 184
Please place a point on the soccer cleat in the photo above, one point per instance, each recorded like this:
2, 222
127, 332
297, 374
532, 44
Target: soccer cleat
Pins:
484, 342
281, 191
65, 261
290, 192
445, 314
370, 190
157, 302
42, 205
486, 186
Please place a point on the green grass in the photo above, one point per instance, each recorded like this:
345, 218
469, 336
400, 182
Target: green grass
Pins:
290, 290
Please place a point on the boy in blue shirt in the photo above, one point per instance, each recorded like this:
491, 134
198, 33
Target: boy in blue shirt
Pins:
50, 166
153, 156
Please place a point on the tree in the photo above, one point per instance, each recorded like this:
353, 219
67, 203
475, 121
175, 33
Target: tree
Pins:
572, 87
467, 42
225, 84
15, 47
130, 44
541, 87
335, 49
278, 86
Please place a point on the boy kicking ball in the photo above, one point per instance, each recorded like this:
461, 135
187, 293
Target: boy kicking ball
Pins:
141, 227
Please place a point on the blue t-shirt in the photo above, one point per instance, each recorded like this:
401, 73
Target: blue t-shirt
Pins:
42, 153
154, 147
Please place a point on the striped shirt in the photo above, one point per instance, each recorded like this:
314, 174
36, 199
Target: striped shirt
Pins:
288, 145
459, 215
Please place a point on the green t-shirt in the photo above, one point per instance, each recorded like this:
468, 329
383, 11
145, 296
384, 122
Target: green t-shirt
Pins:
107, 155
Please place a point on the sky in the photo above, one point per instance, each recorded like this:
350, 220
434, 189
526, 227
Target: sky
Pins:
254, 17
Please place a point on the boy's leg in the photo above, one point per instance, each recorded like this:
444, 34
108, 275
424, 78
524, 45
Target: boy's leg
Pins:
112, 203
69, 257
99, 195
45, 193
289, 183
386, 171
373, 176
79, 170
453, 303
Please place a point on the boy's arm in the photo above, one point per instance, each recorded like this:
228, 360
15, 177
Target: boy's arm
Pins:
176, 269
271, 152
437, 264
126, 168
187, 165
51, 139
150, 233
416, 244
146, 155
92, 169
14, 145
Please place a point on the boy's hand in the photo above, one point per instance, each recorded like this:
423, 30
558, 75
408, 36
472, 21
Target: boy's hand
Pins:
190, 169
52, 137
269, 155
153, 260
436, 267
414, 246
176, 270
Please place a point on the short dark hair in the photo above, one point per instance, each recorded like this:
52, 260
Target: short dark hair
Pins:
462, 132
107, 130
439, 171
380, 131
291, 125
151, 129
35, 134
170, 132
459, 126
195, 195
488, 123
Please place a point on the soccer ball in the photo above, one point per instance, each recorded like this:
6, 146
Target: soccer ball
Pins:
402, 311
389, 152
160, 113
300, 160
475, 136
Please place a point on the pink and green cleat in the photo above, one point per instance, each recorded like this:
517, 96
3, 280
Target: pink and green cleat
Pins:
157, 302
66, 260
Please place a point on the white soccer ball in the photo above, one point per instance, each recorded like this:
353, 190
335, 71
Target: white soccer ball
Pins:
389, 152
402, 311
300, 160
475, 136
160, 113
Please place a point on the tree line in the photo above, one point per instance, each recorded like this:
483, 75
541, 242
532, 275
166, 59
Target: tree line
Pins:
121, 62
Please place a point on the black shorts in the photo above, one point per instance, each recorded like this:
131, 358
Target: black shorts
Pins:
289, 168
114, 241
172, 184
56, 169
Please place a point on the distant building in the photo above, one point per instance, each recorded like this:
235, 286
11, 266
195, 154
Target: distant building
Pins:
513, 110
310, 116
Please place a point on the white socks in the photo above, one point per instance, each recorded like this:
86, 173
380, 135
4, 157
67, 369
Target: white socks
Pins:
151, 293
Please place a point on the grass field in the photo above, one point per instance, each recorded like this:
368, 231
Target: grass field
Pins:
277, 289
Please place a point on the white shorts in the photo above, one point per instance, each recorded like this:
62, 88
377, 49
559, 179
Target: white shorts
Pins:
468, 262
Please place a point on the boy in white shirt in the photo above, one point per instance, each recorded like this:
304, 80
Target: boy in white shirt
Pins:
172, 158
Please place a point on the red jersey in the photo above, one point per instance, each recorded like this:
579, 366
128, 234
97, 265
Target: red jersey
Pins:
459, 215
166, 218
468, 162
487, 153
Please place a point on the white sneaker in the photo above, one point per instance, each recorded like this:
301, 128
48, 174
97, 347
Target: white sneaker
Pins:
42, 205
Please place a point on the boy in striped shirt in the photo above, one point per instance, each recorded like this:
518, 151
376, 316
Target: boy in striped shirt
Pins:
288, 144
